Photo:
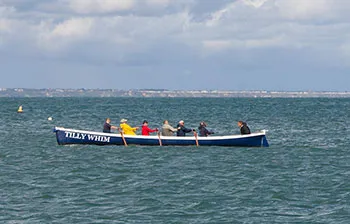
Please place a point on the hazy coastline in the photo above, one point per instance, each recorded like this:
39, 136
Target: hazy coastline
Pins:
26, 92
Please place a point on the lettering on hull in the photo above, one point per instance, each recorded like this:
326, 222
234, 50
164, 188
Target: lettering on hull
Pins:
99, 138
81, 136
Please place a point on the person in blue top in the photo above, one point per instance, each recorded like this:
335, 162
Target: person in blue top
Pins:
107, 126
203, 131
182, 130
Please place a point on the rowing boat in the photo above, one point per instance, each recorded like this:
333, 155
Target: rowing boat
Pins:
72, 136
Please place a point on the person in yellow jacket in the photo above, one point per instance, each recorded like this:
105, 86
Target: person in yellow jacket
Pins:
126, 128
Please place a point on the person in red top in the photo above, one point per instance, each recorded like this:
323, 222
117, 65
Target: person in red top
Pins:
146, 130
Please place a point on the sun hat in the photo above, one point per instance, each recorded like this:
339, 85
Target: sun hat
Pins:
123, 120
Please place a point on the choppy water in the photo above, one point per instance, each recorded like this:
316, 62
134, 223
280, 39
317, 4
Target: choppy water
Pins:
303, 177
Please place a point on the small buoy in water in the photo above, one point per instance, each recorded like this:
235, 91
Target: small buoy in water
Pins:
20, 109
49, 118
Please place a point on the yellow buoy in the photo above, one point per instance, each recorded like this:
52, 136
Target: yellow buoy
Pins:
20, 109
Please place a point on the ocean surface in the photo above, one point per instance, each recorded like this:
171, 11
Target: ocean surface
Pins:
303, 177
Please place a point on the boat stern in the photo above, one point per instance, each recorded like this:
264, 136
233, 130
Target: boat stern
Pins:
265, 143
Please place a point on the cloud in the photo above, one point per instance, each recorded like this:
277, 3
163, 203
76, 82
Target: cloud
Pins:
6, 10
5, 22
312, 10
300, 9
118, 6
99, 6
238, 24
77, 27
58, 36
276, 23
254, 3
5, 25
189, 33
161, 3
217, 45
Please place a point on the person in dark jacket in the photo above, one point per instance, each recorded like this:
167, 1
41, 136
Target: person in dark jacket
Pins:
181, 129
203, 131
243, 127
107, 126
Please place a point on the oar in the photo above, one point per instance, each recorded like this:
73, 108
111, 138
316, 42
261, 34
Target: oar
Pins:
160, 140
121, 133
196, 137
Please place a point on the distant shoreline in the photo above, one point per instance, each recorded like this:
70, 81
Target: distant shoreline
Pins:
163, 93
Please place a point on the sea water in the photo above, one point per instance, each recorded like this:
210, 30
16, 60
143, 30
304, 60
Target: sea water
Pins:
303, 177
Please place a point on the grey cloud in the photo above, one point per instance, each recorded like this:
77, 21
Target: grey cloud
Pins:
185, 44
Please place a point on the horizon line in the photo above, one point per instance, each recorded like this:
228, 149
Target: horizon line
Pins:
174, 90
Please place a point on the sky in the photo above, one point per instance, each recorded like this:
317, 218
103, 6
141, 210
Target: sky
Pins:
284, 45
